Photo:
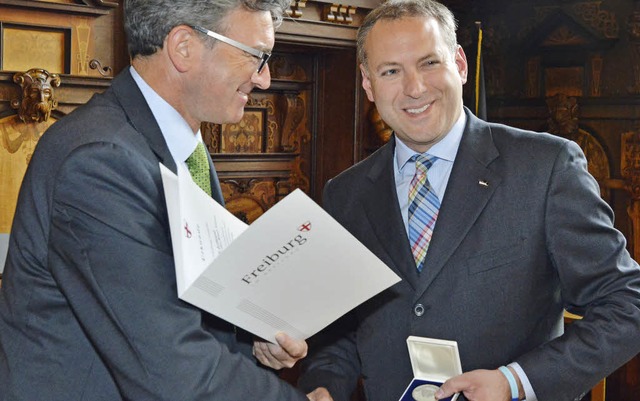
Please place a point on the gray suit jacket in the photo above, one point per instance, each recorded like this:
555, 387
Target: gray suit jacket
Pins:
505, 259
89, 307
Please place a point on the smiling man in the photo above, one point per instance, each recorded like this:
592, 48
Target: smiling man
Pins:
88, 305
494, 230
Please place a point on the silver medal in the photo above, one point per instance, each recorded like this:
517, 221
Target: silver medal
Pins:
426, 392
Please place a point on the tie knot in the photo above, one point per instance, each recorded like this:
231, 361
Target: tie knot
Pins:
423, 162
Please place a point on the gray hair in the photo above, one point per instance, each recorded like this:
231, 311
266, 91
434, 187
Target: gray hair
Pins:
397, 9
148, 22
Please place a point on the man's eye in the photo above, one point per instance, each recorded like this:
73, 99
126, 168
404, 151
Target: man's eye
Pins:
390, 72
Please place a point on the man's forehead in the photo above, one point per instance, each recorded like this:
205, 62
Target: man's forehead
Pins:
389, 45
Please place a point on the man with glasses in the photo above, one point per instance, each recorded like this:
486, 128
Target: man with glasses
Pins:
263, 57
89, 307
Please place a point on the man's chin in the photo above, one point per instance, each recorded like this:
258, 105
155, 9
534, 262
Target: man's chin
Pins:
234, 120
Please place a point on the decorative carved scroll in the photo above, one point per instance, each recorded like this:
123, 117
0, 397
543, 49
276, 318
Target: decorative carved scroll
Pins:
298, 179
104, 71
293, 111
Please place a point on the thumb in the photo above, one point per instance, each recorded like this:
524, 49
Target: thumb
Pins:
293, 347
450, 387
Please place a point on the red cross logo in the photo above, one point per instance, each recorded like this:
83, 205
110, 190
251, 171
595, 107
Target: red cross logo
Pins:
187, 232
306, 226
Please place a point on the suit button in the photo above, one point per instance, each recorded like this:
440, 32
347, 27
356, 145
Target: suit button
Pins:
418, 310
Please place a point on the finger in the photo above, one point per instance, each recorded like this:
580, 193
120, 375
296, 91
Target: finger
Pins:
320, 394
454, 385
263, 353
295, 348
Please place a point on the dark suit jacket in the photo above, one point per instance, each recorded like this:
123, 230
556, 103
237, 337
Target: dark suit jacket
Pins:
504, 260
89, 307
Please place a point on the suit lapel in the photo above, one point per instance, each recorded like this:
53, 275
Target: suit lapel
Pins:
141, 117
471, 185
383, 212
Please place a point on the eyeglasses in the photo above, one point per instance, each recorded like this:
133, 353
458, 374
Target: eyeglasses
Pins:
260, 55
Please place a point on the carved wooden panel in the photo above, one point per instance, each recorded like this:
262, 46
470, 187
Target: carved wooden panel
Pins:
25, 46
33, 34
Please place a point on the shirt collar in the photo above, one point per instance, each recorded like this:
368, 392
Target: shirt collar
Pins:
177, 133
445, 149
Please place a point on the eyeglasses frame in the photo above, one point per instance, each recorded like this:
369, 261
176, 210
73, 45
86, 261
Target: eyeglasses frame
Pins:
262, 56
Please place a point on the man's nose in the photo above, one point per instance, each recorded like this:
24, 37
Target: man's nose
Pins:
414, 85
262, 79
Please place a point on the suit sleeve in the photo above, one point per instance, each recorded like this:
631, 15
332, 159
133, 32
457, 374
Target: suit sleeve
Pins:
598, 280
333, 360
110, 254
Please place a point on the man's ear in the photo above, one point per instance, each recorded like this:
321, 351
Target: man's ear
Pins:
366, 83
462, 65
182, 47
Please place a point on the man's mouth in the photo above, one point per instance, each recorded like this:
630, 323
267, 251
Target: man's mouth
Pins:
418, 110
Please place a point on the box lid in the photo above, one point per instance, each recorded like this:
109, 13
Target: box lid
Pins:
433, 359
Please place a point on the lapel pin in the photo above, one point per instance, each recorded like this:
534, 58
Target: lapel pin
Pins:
483, 183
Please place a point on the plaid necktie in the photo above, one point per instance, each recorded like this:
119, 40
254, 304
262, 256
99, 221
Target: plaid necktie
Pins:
423, 209
198, 164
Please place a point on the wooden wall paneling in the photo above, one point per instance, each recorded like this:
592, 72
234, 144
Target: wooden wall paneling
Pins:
78, 49
336, 139
90, 28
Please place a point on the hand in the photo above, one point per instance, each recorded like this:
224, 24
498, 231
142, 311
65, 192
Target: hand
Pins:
477, 385
320, 394
285, 354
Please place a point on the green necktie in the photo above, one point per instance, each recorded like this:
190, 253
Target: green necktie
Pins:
198, 164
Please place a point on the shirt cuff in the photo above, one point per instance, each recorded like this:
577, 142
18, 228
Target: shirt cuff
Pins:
529, 394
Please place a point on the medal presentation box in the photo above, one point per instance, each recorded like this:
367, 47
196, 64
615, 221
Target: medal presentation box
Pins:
433, 362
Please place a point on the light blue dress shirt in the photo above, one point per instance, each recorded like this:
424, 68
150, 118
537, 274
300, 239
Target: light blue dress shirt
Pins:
180, 139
